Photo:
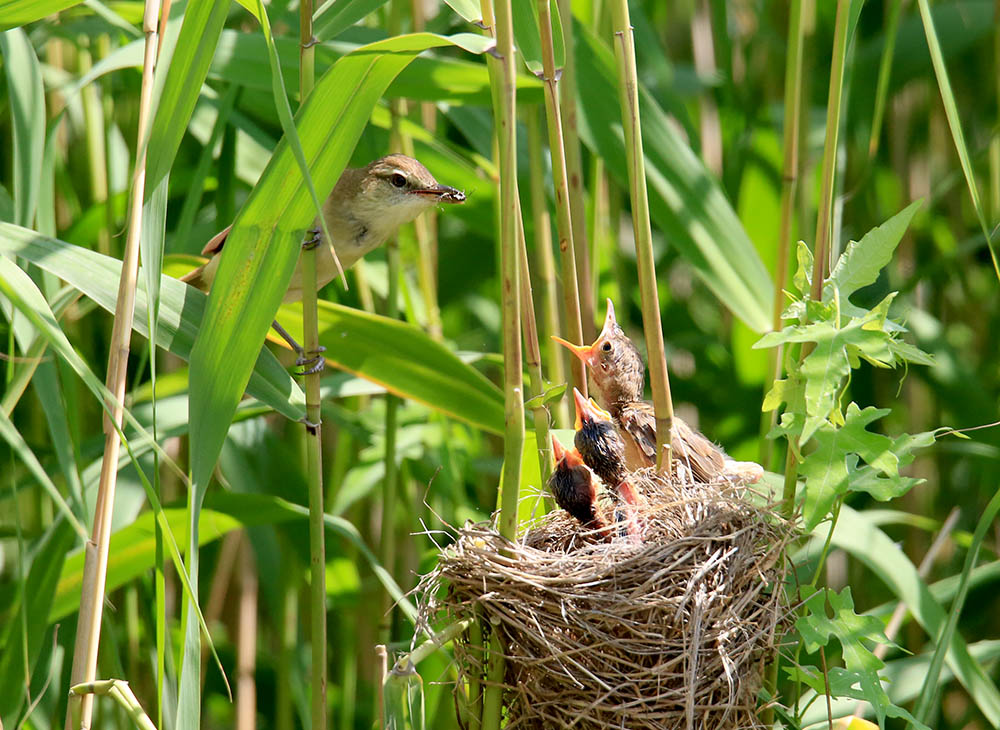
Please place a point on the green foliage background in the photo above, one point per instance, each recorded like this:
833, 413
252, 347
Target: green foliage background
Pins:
68, 120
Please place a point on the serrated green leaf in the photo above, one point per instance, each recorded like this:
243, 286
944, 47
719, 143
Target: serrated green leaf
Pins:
855, 534
802, 280
862, 260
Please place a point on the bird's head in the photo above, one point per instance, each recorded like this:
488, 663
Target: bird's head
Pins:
565, 458
588, 412
395, 189
615, 364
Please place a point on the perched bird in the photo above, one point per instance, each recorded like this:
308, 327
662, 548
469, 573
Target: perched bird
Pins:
366, 207
617, 374
573, 487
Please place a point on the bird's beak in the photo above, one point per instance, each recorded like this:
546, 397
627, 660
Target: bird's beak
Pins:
442, 194
582, 410
561, 453
586, 353
558, 450
587, 410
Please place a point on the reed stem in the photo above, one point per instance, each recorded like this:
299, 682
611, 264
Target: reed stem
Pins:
314, 417
79, 711
789, 185
533, 357
624, 43
503, 80
586, 278
545, 266
564, 216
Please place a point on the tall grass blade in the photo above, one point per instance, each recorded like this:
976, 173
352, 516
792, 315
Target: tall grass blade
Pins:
27, 109
943, 640
181, 308
955, 124
199, 36
871, 546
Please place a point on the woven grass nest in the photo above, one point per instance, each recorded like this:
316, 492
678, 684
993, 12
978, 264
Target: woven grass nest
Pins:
673, 632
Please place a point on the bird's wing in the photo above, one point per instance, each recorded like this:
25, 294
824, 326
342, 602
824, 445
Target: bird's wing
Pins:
217, 241
705, 460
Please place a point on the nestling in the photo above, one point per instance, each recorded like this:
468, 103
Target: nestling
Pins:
602, 449
573, 487
617, 373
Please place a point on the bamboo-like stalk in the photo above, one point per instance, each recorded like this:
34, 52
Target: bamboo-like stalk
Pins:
624, 44
703, 47
564, 216
79, 711
313, 432
503, 80
246, 642
995, 141
533, 355
546, 267
574, 169
119, 691
789, 185
823, 220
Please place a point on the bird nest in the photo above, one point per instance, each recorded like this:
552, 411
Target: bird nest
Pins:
672, 632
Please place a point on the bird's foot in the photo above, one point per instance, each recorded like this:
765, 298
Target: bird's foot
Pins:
314, 239
310, 362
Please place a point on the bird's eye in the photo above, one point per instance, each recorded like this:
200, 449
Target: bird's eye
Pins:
398, 181
606, 347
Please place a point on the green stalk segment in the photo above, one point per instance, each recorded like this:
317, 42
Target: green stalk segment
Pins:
789, 184
624, 44
564, 216
314, 434
503, 79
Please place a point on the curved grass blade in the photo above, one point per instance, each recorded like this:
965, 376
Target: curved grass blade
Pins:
10, 434
404, 360
181, 308
955, 124
262, 249
18, 287
26, 97
133, 547
858, 537
21, 12
188, 67
944, 638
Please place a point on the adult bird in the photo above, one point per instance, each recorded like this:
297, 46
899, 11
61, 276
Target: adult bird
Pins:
602, 449
572, 484
617, 373
365, 208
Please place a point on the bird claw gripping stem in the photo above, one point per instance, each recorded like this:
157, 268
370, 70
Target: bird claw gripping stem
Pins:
313, 241
311, 362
